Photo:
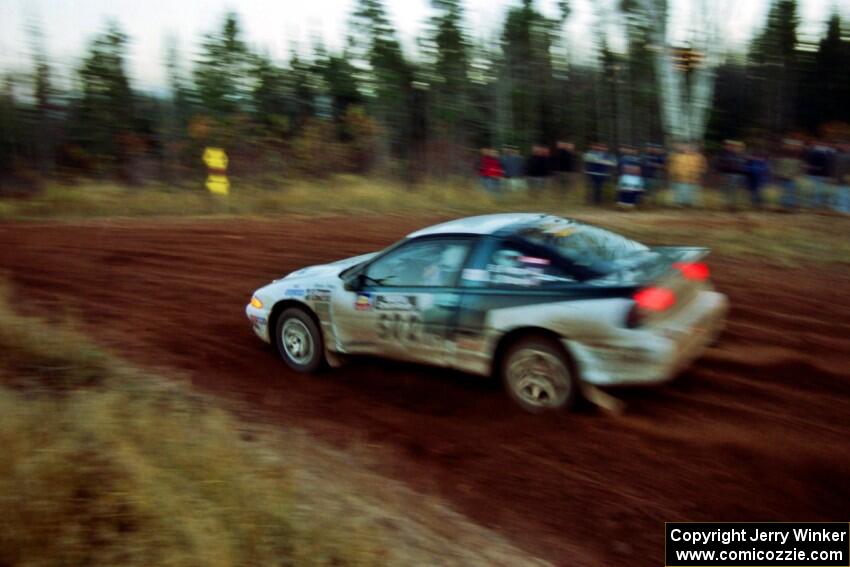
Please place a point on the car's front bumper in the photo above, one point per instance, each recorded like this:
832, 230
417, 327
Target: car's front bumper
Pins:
656, 353
259, 319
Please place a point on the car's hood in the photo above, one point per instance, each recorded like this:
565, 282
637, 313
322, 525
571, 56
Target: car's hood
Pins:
328, 270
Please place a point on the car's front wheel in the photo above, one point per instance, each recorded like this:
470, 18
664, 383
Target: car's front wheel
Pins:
538, 375
299, 341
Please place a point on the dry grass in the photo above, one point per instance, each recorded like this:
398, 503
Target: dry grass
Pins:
784, 238
338, 194
103, 464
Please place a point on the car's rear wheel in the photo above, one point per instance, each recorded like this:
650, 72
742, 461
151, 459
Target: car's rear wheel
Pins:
299, 341
538, 375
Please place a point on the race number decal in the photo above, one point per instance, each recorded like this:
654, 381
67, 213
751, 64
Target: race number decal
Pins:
401, 326
401, 318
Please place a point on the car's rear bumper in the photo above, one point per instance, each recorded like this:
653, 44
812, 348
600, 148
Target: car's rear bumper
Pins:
259, 321
654, 354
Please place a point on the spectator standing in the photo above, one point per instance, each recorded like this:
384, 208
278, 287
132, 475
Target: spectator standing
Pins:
565, 163
628, 157
787, 170
842, 178
598, 166
489, 169
757, 172
686, 169
539, 167
732, 166
652, 163
513, 166
819, 162
630, 187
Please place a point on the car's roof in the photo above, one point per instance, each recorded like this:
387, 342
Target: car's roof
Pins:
482, 224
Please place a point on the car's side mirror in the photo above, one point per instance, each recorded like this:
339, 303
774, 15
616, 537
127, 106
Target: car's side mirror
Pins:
354, 282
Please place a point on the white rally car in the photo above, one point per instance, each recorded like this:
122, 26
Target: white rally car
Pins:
548, 304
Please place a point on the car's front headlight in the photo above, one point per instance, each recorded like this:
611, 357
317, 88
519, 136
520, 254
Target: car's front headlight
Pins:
256, 303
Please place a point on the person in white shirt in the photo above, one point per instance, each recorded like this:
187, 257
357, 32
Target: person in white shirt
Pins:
630, 187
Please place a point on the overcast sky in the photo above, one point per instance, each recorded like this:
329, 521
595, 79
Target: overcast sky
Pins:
275, 26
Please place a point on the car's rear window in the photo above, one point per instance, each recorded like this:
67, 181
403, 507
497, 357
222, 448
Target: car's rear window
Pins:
584, 244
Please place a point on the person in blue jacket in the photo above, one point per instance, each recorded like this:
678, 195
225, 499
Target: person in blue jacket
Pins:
757, 173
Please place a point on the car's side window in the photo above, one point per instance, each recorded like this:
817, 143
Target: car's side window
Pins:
513, 266
429, 263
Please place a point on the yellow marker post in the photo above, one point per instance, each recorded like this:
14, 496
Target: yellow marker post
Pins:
218, 184
216, 161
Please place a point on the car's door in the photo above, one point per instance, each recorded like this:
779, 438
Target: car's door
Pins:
505, 277
407, 304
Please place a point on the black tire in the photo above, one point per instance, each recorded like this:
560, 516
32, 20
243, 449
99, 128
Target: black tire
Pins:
299, 328
549, 385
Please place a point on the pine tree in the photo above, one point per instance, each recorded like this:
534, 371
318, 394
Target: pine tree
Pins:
774, 64
526, 41
9, 129
268, 94
106, 117
179, 90
340, 81
831, 73
447, 50
43, 94
385, 73
301, 92
223, 73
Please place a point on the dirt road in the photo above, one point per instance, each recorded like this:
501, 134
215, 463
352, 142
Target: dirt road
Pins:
756, 430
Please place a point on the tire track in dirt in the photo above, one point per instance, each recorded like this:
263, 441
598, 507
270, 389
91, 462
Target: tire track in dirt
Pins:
756, 430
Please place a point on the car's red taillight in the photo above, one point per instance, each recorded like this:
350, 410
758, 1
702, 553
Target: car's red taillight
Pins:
655, 298
649, 300
695, 271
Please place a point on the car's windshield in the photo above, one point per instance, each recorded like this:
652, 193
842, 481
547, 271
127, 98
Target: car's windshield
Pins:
585, 245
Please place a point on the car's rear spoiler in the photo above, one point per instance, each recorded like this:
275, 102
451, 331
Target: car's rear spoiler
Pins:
682, 253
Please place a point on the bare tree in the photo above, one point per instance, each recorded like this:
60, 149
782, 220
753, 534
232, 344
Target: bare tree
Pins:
685, 100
